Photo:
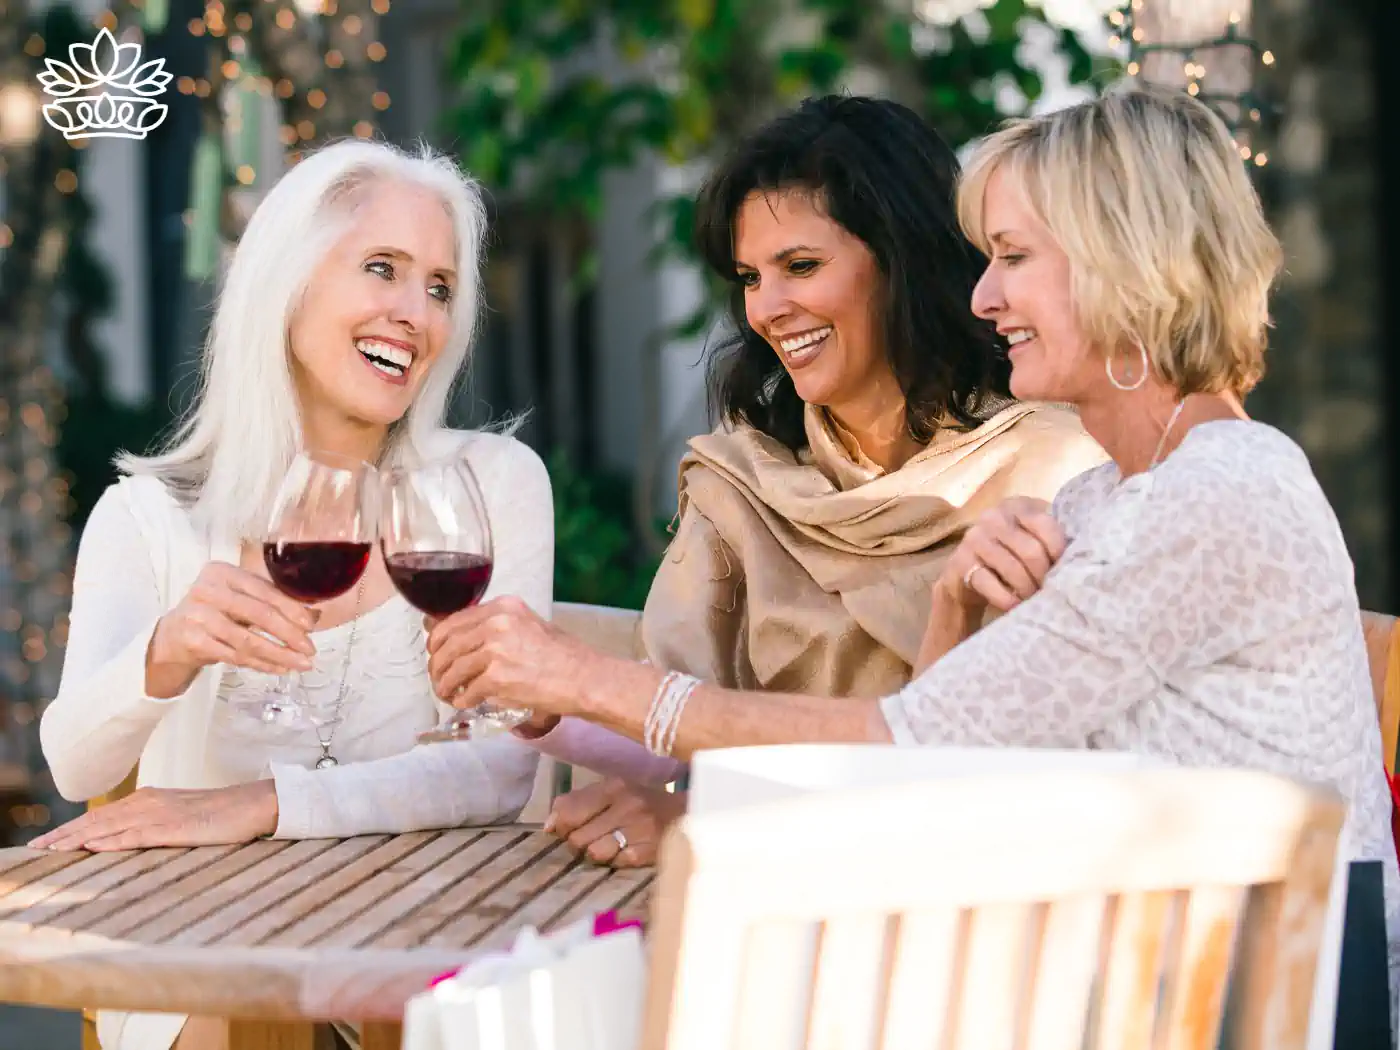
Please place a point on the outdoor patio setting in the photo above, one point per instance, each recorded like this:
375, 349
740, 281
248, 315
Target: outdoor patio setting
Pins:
679, 524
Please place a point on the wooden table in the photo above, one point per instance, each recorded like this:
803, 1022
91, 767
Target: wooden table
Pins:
276, 935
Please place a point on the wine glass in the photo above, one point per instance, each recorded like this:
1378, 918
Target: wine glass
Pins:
437, 547
316, 548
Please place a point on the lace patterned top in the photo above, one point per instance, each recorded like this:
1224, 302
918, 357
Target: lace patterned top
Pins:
1205, 613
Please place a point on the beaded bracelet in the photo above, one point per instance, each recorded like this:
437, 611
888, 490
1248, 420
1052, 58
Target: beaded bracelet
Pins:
663, 717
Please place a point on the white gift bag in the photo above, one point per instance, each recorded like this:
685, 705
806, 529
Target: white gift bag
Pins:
567, 991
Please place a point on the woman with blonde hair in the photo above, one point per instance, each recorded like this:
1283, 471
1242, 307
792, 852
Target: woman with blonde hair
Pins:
345, 318
1192, 599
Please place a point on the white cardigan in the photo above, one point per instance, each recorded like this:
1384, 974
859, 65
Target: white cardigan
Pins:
139, 554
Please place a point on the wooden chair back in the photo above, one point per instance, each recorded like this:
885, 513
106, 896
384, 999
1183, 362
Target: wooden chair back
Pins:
1104, 911
617, 632
1382, 632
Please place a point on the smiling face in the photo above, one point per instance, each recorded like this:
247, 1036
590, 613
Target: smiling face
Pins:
1026, 291
810, 290
376, 313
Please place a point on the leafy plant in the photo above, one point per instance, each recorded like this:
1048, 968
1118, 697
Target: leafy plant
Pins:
552, 94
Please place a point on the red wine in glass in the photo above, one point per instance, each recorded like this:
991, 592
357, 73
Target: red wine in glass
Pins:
315, 571
436, 540
440, 583
319, 534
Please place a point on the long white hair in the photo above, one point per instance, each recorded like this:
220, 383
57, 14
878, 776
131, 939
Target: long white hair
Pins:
231, 450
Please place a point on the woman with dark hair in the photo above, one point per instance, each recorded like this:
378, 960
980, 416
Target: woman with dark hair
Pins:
865, 424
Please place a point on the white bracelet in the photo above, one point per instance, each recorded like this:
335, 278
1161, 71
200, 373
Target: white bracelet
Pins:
649, 728
683, 695
663, 718
666, 712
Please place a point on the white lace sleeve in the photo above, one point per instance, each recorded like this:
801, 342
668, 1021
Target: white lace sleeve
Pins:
446, 785
1163, 578
94, 730
432, 786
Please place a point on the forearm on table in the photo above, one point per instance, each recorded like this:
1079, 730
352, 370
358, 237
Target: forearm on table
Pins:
430, 786
579, 742
714, 717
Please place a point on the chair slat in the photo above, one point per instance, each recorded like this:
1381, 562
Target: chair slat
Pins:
849, 997
1066, 963
994, 978
776, 989
1133, 971
923, 969
1198, 977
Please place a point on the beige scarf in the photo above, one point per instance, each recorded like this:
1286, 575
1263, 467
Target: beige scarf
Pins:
813, 574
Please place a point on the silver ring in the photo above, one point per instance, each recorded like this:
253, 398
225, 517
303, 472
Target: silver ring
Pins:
620, 839
967, 576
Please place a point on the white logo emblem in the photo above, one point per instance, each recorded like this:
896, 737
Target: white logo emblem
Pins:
106, 92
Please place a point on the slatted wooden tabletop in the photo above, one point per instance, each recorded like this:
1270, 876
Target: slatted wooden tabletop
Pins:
334, 929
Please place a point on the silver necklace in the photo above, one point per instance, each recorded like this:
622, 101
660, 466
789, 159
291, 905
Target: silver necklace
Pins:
328, 760
1171, 422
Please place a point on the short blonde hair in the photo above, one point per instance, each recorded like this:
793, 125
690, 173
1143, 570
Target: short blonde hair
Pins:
1145, 191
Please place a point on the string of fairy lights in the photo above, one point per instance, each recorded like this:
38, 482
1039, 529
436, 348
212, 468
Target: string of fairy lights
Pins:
319, 43
238, 72
1191, 64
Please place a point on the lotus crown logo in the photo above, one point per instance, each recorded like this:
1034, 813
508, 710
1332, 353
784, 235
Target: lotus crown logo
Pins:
106, 91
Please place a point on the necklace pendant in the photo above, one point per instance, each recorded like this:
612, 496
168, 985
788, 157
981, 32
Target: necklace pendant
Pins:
327, 761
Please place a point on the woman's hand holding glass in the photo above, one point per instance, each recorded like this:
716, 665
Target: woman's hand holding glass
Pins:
438, 549
229, 616
503, 652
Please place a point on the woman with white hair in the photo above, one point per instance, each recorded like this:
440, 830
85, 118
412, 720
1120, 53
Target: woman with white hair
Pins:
347, 314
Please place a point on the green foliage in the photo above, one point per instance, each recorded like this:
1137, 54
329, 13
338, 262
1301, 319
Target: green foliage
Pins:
552, 94
596, 557
96, 429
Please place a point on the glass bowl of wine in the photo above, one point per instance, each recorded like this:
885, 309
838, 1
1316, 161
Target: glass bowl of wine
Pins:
436, 540
316, 548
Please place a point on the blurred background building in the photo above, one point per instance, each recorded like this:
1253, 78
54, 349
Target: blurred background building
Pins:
591, 124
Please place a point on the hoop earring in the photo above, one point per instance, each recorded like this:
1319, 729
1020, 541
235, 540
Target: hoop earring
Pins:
1142, 376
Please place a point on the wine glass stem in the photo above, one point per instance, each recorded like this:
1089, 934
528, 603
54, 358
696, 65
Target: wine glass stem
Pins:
281, 698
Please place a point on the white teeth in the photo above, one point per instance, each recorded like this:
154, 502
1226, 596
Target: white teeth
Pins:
389, 359
798, 342
1020, 336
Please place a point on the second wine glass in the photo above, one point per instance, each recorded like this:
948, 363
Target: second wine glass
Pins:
438, 549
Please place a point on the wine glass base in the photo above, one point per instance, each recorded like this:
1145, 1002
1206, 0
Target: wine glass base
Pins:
463, 725
276, 713
446, 733
501, 718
